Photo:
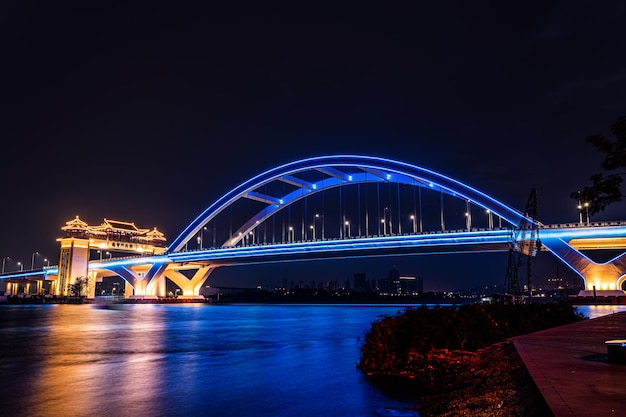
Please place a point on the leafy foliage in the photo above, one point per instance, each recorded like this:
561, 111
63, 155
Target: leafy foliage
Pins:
78, 287
394, 340
459, 361
606, 189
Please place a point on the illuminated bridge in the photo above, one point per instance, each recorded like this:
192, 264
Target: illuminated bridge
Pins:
341, 206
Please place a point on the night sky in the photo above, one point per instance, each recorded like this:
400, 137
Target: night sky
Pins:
150, 112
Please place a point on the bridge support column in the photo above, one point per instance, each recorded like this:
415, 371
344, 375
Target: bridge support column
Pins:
603, 280
128, 290
190, 287
74, 262
91, 285
157, 286
140, 289
53, 286
599, 279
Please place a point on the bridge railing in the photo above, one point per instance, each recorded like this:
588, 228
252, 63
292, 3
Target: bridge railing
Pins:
371, 236
337, 238
584, 224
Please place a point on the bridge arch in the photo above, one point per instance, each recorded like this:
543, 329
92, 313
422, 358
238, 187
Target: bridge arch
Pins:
338, 170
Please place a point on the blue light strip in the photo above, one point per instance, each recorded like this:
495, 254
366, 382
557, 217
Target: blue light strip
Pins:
583, 232
30, 273
330, 247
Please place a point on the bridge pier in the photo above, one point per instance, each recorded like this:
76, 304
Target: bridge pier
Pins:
91, 284
128, 289
158, 286
190, 287
600, 279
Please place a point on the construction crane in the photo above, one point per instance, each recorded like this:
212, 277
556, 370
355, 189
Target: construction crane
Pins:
523, 249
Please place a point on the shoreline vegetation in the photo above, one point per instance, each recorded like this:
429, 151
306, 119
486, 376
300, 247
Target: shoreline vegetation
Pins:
460, 361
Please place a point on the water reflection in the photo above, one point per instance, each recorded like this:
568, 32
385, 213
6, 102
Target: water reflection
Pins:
593, 311
86, 354
182, 360
190, 360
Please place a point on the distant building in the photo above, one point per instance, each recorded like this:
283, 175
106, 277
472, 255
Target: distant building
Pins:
555, 283
394, 281
404, 284
410, 285
360, 282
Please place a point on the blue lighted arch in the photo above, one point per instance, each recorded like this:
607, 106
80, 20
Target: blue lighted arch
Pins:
369, 169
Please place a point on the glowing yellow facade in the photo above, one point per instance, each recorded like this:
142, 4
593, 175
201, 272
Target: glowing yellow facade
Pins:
110, 236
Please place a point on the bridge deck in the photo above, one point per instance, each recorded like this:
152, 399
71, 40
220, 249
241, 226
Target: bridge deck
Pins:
570, 367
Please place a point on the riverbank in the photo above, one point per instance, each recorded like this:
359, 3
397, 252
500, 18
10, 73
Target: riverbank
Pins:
277, 300
460, 362
491, 383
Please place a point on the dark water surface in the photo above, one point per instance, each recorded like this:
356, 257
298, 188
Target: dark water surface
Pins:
186, 360
190, 360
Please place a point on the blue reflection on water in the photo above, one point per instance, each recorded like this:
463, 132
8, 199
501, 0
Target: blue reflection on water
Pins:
593, 311
187, 360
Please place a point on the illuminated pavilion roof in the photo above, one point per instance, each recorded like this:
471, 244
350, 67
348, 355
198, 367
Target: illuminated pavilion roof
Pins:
154, 234
120, 227
109, 227
75, 224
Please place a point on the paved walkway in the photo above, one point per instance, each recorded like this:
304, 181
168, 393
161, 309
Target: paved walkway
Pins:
570, 367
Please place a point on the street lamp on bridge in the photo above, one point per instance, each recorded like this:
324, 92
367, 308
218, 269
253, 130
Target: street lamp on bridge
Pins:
47, 261
412, 217
201, 238
312, 227
583, 206
489, 218
20, 265
317, 216
32, 260
4, 260
347, 224
384, 222
388, 220
291, 234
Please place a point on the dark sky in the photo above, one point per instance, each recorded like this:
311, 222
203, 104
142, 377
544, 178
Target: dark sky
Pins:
150, 112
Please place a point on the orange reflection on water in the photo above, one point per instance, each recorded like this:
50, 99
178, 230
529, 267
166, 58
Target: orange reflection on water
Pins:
83, 346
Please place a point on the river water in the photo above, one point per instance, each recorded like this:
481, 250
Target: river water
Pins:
190, 360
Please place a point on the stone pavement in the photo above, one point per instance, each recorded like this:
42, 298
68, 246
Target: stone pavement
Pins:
570, 366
